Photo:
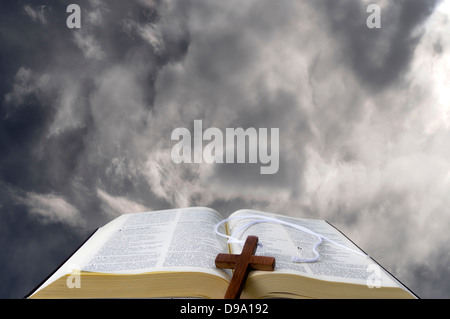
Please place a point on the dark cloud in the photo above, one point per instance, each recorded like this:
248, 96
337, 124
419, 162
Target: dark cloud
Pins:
86, 117
431, 275
378, 56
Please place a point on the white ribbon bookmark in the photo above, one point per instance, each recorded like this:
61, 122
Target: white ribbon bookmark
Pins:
258, 219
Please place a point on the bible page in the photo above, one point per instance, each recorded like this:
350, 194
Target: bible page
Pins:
170, 240
284, 242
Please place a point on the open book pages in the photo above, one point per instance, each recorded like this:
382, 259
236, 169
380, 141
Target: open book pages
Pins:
172, 253
169, 240
335, 264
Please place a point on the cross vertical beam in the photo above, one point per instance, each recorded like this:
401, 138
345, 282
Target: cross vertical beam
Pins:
242, 264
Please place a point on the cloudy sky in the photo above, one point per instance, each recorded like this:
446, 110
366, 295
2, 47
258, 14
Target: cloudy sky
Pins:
86, 117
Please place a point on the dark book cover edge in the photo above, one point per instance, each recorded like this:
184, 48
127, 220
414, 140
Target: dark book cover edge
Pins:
406, 287
56, 269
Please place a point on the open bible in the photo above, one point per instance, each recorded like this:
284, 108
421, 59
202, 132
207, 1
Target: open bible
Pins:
171, 253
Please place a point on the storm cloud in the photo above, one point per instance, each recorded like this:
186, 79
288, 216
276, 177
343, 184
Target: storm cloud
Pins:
86, 117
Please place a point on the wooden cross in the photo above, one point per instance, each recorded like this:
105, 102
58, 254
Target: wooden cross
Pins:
242, 264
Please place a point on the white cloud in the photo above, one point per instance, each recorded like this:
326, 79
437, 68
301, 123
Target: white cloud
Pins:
180, 186
26, 82
69, 109
51, 208
96, 16
152, 35
37, 14
430, 73
88, 45
22, 86
149, 32
117, 205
